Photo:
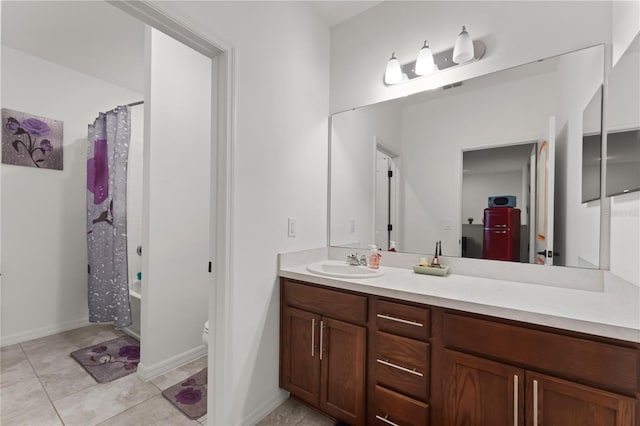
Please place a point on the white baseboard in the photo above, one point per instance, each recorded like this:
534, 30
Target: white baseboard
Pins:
129, 332
264, 409
24, 336
147, 373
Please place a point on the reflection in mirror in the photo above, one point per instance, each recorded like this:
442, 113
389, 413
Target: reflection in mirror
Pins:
499, 184
623, 167
425, 136
386, 197
591, 148
623, 135
623, 162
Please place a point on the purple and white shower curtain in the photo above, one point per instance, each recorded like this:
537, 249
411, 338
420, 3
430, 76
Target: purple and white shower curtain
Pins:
107, 155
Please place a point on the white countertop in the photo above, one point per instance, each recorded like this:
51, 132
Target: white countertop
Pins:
613, 311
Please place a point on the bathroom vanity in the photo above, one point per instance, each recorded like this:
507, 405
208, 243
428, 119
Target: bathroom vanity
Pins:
403, 349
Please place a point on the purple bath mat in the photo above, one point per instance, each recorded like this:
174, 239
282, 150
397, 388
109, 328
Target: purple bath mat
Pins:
190, 395
110, 360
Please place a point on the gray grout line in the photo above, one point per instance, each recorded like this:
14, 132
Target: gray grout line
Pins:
124, 411
41, 384
37, 374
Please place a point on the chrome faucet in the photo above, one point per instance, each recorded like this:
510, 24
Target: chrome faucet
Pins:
353, 259
363, 260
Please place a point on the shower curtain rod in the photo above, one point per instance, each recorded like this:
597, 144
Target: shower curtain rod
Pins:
129, 105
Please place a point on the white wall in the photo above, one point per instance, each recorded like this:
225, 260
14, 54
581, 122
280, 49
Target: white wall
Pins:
511, 30
279, 170
44, 283
353, 150
625, 25
177, 188
432, 145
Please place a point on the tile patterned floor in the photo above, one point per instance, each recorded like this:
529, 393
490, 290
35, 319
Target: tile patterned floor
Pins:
292, 412
41, 385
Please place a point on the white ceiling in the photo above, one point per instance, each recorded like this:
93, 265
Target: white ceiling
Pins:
336, 12
99, 40
91, 37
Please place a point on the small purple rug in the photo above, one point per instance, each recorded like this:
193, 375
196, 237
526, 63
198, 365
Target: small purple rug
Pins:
110, 360
190, 395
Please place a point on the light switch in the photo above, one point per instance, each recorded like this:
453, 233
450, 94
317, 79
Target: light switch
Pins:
291, 227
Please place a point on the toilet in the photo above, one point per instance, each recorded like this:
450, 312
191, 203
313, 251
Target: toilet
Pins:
205, 333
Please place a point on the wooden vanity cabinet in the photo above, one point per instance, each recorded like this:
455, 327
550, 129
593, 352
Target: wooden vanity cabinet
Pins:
481, 392
411, 364
322, 349
557, 402
499, 380
399, 363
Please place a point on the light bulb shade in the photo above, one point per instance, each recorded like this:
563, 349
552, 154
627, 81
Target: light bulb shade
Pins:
424, 63
463, 50
393, 74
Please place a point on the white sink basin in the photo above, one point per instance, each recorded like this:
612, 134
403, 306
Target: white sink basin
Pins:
340, 269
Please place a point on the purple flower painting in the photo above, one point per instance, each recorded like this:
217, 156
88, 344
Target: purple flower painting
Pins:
31, 141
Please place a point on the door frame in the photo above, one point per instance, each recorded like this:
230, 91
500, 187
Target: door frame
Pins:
379, 145
525, 140
166, 19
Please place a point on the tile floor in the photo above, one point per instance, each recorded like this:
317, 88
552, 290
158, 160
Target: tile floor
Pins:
41, 385
292, 412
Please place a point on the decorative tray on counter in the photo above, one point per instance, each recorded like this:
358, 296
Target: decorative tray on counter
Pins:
431, 270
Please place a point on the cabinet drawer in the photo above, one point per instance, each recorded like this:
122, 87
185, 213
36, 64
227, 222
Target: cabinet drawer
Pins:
402, 364
590, 362
335, 304
405, 320
391, 408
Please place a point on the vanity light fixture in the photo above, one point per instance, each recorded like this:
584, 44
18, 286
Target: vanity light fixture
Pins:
393, 74
424, 63
465, 51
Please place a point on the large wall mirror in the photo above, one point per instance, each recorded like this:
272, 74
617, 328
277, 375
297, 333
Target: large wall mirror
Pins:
455, 164
623, 162
623, 119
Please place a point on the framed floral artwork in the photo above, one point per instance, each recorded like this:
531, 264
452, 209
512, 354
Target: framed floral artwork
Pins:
31, 141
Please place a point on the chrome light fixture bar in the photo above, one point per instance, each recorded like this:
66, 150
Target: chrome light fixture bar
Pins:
465, 52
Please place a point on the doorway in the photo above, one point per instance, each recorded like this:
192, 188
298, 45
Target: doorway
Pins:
386, 200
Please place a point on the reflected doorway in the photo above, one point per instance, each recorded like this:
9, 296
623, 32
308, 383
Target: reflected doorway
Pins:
386, 197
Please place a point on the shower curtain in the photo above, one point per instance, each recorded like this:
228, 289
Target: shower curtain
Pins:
107, 155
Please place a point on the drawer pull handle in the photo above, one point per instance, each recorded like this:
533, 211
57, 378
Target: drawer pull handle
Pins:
387, 317
406, 370
313, 337
535, 403
384, 419
515, 400
321, 339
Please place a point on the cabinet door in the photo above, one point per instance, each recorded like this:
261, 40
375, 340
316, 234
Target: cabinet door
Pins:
556, 402
481, 392
343, 371
301, 354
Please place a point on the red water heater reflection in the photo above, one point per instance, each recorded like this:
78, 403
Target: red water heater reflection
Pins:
501, 234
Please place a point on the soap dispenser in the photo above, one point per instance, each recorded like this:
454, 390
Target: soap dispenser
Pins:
374, 257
